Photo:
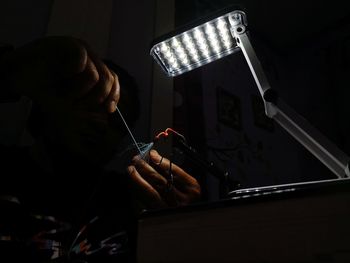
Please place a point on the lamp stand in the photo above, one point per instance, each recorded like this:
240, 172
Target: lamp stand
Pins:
326, 151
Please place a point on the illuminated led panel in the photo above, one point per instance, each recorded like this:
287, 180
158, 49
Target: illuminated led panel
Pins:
195, 47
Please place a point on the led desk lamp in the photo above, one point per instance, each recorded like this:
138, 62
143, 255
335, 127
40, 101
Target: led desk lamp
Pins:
222, 35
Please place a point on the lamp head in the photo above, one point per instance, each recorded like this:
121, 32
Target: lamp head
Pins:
199, 43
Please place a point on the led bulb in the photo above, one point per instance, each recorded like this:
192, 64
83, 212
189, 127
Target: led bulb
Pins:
196, 47
164, 47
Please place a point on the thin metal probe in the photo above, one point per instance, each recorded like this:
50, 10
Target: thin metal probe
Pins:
129, 131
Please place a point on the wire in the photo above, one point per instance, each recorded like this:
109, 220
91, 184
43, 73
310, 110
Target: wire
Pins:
82, 230
166, 133
170, 182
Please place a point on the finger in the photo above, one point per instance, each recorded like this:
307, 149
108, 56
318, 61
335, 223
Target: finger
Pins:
106, 79
50, 60
100, 92
177, 197
147, 194
68, 54
184, 182
164, 164
150, 174
113, 97
164, 195
81, 84
65, 56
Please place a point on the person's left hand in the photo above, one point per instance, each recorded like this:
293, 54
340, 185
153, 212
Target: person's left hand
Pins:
61, 72
160, 183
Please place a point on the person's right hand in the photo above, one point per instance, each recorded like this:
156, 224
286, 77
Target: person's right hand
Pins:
64, 70
160, 183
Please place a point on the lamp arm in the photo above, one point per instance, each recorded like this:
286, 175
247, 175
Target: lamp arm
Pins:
326, 151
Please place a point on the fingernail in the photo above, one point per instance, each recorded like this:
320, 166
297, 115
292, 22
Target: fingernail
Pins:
136, 158
130, 169
112, 106
155, 156
153, 151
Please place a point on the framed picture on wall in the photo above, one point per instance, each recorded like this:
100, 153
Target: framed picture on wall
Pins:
229, 109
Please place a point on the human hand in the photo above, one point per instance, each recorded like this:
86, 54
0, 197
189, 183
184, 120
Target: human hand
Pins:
56, 71
161, 184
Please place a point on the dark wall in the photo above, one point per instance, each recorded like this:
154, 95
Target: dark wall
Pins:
22, 21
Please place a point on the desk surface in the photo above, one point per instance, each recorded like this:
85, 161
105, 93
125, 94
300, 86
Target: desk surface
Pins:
306, 222
262, 194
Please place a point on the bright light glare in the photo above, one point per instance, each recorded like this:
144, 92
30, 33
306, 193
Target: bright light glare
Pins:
195, 47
